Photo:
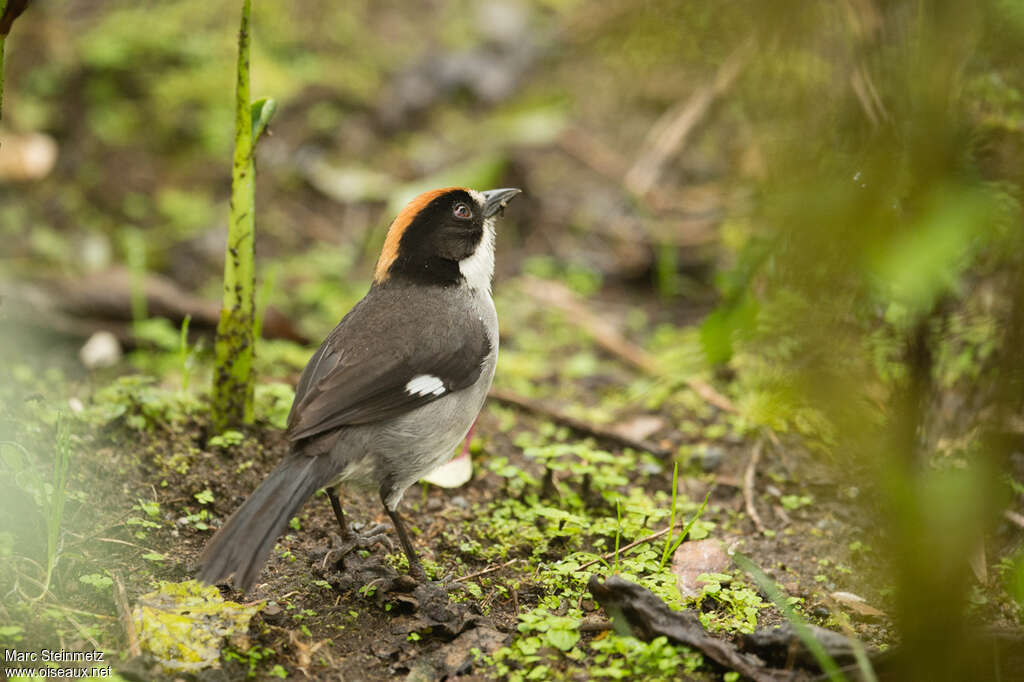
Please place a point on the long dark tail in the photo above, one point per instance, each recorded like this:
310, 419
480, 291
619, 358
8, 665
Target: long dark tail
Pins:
241, 546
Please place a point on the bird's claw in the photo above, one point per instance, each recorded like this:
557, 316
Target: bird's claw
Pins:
342, 546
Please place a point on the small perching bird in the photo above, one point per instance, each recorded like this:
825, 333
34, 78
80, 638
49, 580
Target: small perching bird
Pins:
393, 389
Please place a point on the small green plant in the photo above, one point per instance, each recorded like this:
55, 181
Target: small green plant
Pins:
252, 658
628, 658
227, 439
96, 580
794, 502
671, 545
55, 501
737, 604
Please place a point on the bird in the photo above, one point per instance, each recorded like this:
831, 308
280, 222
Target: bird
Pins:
392, 390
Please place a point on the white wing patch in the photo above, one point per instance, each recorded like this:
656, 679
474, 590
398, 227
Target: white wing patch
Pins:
425, 384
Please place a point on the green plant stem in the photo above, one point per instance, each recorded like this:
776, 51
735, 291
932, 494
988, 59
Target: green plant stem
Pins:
672, 517
689, 525
55, 506
183, 351
618, 530
2, 41
232, 377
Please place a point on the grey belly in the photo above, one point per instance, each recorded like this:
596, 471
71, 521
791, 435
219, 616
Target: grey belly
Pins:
404, 449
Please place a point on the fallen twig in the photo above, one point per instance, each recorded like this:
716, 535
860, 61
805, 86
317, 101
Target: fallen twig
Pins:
594, 153
1014, 518
669, 133
489, 569
621, 550
121, 597
578, 425
748, 486
610, 339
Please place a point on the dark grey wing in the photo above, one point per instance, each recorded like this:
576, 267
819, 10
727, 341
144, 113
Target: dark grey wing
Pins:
345, 384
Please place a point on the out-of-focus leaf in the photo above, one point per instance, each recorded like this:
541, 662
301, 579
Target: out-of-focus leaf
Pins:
536, 126
719, 330
924, 262
481, 172
345, 184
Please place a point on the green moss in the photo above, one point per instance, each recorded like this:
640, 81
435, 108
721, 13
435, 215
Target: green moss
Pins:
183, 626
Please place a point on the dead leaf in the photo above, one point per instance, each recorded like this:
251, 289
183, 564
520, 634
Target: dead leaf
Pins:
857, 604
695, 558
640, 427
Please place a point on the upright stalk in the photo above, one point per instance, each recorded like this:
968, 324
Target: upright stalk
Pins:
9, 11
232, 380
3, 39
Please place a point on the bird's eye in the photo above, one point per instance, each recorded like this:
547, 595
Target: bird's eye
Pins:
462, 211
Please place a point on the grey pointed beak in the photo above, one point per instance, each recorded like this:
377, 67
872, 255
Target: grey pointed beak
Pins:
497, 199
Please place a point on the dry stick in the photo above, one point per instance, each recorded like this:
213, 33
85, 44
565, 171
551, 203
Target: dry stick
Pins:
669, 134
594, 153
601, 433
121, 596
491, 569
610, 339
600, 158
1014, 518
635, 543
748, 486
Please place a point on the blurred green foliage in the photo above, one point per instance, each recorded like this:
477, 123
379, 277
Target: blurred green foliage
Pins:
870, 263
882, 267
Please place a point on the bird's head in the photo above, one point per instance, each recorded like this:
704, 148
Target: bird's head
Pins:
444, 237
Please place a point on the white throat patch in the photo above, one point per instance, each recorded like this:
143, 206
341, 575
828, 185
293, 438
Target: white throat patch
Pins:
478, 268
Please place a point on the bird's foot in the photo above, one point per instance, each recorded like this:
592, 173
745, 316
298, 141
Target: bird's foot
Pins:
351, 541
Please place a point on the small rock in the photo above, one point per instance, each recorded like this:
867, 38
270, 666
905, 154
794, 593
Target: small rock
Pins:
711, 458
458, 657
459, 501
101, 350
27, 157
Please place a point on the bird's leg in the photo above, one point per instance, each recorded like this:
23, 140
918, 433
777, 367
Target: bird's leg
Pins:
415, 567
351, 540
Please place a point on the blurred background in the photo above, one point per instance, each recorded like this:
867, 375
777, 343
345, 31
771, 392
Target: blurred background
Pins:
806, 215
